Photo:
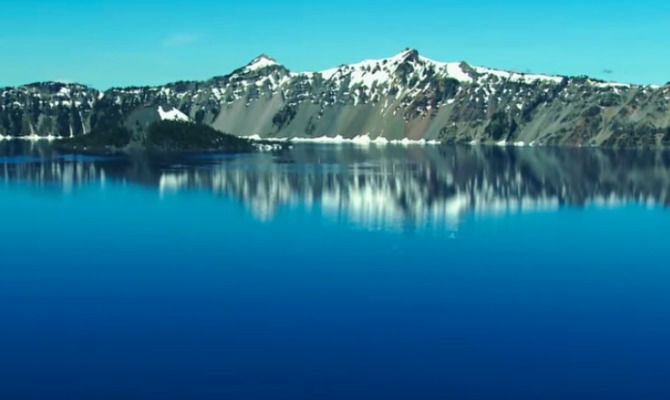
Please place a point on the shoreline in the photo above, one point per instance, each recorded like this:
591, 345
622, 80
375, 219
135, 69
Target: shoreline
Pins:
361, 140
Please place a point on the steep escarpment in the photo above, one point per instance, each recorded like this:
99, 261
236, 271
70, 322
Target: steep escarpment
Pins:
47, 109
405, 96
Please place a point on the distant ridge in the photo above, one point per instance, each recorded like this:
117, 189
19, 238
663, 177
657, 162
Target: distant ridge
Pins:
403, 97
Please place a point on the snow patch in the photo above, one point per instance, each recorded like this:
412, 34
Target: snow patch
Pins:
518, 77
339, 139
172, 115
260, 62
455, 71
32, 138
615, 85
363, 140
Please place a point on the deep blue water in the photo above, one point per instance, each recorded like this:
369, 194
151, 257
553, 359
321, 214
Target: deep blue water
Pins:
336, 272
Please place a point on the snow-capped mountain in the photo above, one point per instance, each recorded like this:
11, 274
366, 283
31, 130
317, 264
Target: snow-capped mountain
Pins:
406, 96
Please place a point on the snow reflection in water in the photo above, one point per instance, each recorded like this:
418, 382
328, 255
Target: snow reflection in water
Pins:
379, 187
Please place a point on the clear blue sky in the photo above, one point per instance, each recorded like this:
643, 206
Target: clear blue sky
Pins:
135, 42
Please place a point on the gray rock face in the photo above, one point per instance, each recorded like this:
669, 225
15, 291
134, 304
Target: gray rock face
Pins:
44, 109
405, 96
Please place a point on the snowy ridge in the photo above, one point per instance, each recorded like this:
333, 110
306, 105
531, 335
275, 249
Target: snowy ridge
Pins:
379, 71
260, 62
374, 101
518, 77
382, 70
404, 77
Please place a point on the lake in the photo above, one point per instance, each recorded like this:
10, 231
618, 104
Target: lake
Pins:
335, 271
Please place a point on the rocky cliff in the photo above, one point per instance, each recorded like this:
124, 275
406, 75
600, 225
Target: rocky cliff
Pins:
406, 96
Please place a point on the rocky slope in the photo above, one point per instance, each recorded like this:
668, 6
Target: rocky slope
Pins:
402, 97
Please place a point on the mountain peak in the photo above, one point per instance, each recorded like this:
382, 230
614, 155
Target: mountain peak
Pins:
409, 54
260, 62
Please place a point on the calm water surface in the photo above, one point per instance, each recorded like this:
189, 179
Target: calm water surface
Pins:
335, 272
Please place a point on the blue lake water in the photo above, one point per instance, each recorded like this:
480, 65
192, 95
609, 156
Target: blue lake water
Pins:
336, 272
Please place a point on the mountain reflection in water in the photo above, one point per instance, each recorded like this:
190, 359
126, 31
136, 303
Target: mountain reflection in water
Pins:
377, 187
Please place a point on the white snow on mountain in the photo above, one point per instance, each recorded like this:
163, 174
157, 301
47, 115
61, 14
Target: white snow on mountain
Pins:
518, 77
172, 115
260, 62
386, 73
383, 70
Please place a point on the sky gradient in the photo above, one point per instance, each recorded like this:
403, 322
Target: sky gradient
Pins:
126, 42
